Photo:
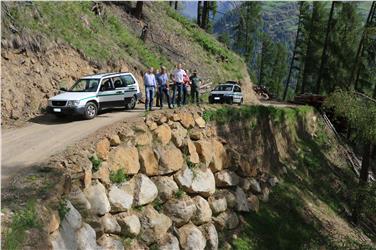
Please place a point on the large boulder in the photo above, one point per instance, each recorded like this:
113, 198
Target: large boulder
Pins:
255, 186
149, 163
103, 173
191, 238
96, 195
178, 134
119, 199
203, 213
115, 140
64, 238
163, 133
180, 210
125, 157
143, 139
154, 226
86, 238
226, 178
211, 235
166, 186
168, 242
110, 242
219, 156
72, 217
78, 200
205, 151
186, 119
145, 192
129, 223
200, 181
226, 220
241, 200
192, 153
200, 122
110, 224
229, 195
248, 169
170, 159
195, 134
217, 204
102, 148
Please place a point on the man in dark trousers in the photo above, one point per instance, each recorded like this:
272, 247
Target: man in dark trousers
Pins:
163, 87
195, 88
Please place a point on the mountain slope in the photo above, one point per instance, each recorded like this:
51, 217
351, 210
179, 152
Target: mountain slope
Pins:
47, 45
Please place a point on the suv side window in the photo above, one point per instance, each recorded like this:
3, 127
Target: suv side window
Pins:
127, 80
237, 89
118, 83
106, 85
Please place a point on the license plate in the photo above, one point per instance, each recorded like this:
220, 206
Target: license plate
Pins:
57, 110
217, 98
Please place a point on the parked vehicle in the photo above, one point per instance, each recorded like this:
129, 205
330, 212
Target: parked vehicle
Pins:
228, 92
96, 92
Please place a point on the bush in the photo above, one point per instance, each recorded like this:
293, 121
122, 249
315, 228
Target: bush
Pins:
63, 209
118, 176
96, 162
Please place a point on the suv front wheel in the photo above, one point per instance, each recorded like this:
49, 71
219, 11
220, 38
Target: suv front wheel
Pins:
90, 110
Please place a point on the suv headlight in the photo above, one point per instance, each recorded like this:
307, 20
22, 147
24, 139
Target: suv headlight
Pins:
73, 103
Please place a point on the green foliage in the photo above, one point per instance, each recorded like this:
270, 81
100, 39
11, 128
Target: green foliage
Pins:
96, 162
358, 111
158, 204
63, 209
22, 220
118, 176
179, 194
139, 208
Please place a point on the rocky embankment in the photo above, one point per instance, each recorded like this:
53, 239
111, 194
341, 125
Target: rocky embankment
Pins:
169, 182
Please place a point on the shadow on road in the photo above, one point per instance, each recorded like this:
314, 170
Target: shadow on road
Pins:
50, 119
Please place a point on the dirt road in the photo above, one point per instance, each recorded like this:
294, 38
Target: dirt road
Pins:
47, 135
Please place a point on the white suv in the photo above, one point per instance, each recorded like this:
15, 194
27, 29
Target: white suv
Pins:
92, 93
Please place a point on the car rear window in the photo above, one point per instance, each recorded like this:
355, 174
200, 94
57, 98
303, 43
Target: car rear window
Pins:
223, 88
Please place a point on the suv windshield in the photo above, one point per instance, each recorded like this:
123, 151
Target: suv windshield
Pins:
223, 88
85, 85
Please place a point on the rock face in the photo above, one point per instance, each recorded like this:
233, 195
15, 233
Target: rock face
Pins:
191, 237
180, 210
149, 163
96, 195
163, 133
226, 220
153, 225
253, 203
110, 242
255, 186
120, 200
219, 156
86, 237
200, 122
226, 178
192, 153
103, 148
145, 192
129, 223
200, 181
211, 235
178, 134
241, 201
125, 157
186, 119
171, 159
205, 151
166, 186
203, 213
217, 204
110, 224
168, 242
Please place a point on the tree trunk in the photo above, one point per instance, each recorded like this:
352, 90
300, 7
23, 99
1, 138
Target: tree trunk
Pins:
170, 3
363, 179
293, 53
205, 15
324, 56
199, 13
261, 64
176, 5
138, 9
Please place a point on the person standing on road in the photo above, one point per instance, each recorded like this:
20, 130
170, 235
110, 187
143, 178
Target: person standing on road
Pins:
150, 84
186, 84
178, 78
195, 87
163, 87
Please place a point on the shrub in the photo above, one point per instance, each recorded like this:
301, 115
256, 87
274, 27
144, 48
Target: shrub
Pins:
118, 176
63, 209
179, 194
96, 162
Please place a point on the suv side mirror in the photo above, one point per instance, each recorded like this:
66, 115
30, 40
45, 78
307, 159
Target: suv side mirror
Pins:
63, 89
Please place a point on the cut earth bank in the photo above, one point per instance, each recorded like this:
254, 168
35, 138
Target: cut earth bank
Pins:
172, 180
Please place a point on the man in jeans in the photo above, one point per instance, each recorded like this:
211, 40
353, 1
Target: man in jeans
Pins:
163, 87
195, 87
178, 78
150, 84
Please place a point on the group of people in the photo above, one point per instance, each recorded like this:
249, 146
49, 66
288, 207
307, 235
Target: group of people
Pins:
160, 83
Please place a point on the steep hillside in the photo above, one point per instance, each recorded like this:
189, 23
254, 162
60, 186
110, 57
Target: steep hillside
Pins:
47, 45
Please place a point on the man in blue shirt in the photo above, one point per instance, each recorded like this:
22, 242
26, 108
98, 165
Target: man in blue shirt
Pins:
150, 84
163, 87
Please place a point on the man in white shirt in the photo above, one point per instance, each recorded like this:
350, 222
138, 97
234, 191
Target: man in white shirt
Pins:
178, 78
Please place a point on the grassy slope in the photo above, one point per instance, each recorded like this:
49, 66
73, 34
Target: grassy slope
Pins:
306, 210
109, 39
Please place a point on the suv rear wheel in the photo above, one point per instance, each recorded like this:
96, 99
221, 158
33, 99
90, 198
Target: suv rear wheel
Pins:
131, 104
90, 110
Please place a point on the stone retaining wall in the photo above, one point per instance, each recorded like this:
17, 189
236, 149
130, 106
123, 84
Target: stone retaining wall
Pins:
183, 189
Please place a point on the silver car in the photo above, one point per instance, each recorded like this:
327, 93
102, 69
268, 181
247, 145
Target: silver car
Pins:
228, 92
